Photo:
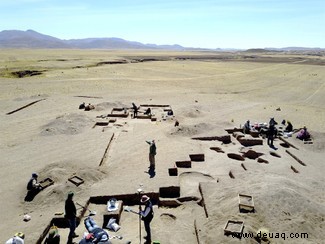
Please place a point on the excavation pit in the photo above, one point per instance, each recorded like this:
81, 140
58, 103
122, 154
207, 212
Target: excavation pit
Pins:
173, 171
101, 123
238, 135
243, 165
234, 228
275, 155
183, 164
286, 145
235, 156
76, 180
143, 117
231, 131
46, 183
245, 203
250, 142
231, 175
127, 199
251, 154
254, 134
294, 169
225, 139
217, 149
113, 214
169, 192
197, 157
261, 160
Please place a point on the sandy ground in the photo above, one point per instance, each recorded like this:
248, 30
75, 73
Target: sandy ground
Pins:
57, 140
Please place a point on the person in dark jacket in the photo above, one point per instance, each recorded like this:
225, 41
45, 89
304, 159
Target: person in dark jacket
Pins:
272, 131
135, 110
289, 127
33, 188
152, 154
71, 216
147, 216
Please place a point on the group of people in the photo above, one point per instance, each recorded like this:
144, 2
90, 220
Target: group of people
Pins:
136, 110
270, 130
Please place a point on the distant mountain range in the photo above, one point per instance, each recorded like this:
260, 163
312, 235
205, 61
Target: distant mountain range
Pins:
33, 39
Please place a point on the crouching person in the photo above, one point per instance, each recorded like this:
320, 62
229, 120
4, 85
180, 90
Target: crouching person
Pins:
18, 238
96, 234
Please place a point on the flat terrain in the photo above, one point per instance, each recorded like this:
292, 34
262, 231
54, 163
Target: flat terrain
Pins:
208, 92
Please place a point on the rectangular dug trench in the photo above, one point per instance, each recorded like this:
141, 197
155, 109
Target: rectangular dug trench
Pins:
46, 183
76, 180
245, 203
119, 112
183, 164
233, 227
197, 157
173, 171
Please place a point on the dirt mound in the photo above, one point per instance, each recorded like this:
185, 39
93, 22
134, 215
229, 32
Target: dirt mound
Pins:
68, 124
60, 173
191, 130
110, 105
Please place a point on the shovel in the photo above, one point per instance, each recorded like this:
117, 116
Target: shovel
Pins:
91, 213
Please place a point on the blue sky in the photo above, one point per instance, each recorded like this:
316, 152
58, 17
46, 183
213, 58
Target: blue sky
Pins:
190, 23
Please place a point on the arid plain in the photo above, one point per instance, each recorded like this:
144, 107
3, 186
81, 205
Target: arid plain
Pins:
208, 92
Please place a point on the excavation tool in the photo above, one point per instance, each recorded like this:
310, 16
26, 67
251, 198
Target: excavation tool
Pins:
91, 213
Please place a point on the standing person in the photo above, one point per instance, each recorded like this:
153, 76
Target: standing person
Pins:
152, 154
247, 127
147, 216
271, 132
135, 110
71, 215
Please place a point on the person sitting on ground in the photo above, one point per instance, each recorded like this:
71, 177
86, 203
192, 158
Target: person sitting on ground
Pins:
18, 238
303, 134
148, 111
33, 185
53, 236
289, 127
82, 106
89, 107
97, 234
247, 127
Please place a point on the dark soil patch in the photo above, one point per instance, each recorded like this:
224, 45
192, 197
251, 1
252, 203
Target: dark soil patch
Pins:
26, 73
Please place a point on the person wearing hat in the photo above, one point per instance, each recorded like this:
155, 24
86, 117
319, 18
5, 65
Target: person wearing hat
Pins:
32, 184
33, 188
18, 238
53, 236
152, 154
71, 216
147, 216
